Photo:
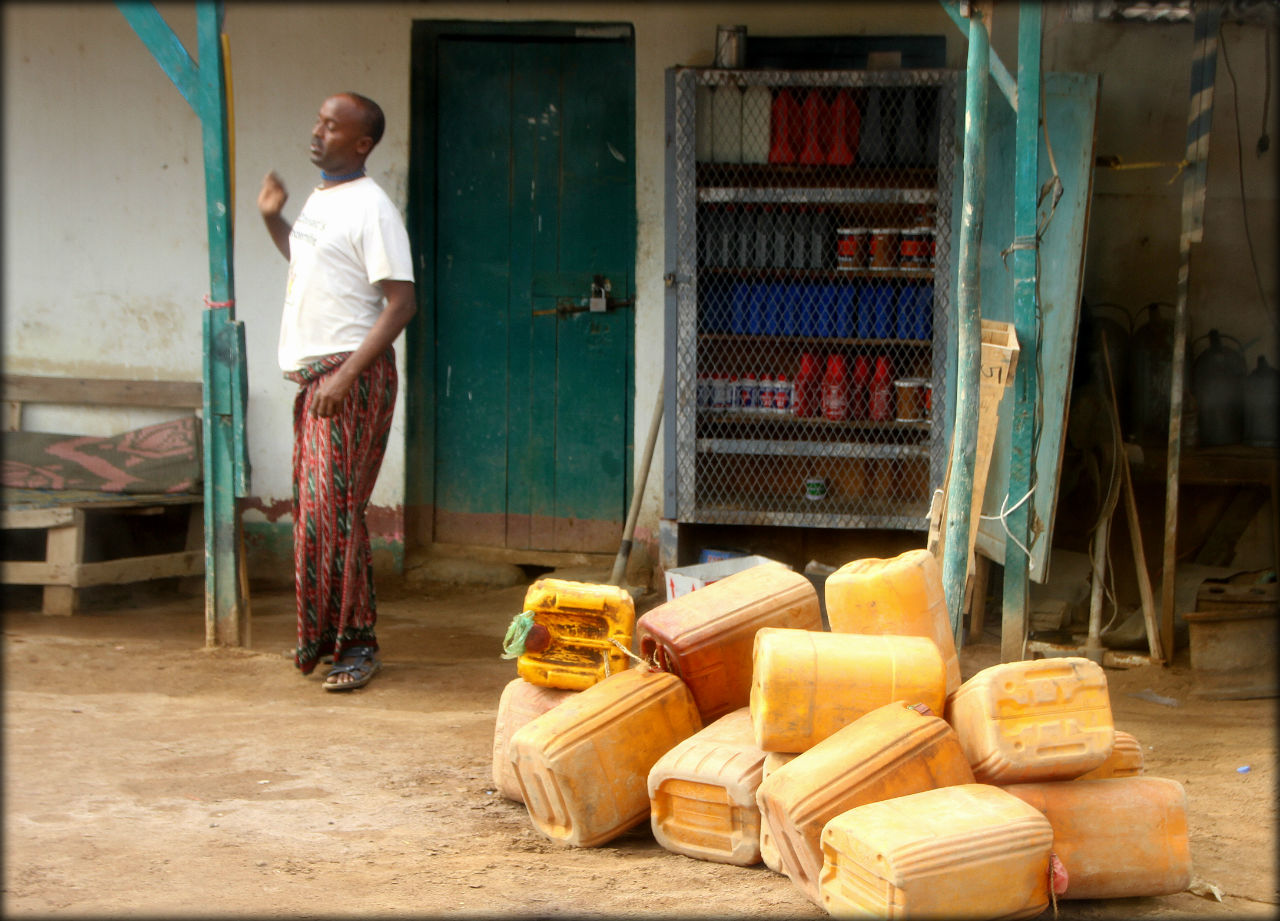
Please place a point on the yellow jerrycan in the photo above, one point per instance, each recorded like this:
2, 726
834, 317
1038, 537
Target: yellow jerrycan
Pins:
967, 851
806, 685
520, 702
706, 636
703, 793
580, 619
1043, 719
768, 846
582, 766
1125, 760
894, 750
1118, 838
900, 595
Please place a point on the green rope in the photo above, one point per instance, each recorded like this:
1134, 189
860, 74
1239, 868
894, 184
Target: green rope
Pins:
513, 642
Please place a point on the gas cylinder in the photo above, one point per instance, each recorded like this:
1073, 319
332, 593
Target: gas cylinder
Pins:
1111, 324
1217, 380
1261, 391
1151, 369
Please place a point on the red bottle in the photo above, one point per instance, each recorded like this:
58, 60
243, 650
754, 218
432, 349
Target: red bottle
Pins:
880, 397
817, 129
804, 395
835, 389
858, 388
784, 124
846, 122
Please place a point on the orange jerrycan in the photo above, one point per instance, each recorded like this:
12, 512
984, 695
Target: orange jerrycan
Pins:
582, 765
706, 636
893, 751
520, 703
1118, 838
968, 851
902, 595
703, 793
806, 685
768, 847
1125, 759
1045, 719
581, 619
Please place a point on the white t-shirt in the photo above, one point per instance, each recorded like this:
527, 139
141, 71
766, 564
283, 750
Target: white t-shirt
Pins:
346, 240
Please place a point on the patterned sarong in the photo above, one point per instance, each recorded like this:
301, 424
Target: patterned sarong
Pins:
335, 463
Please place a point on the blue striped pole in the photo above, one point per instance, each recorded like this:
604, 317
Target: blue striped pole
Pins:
1199, 119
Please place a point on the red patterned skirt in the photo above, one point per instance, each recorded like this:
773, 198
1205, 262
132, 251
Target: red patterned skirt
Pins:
335, 464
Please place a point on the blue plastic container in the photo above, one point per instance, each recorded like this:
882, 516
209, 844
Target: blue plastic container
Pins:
875, 311
915, 312
846, 311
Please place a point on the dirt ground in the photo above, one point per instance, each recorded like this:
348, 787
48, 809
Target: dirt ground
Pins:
146, 775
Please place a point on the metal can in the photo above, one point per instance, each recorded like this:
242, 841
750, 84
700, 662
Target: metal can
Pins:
851, 248
883, 250
815, 488
916, 248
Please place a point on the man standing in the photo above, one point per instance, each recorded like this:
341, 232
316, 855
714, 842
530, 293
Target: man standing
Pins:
350, 293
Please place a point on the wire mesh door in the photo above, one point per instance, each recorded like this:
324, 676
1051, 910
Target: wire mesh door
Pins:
813, 214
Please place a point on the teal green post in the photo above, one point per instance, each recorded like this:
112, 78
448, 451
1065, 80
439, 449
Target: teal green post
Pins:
1026, 257
955, 556
226, 467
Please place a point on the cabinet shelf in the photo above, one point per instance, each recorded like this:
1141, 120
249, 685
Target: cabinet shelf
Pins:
823, 341
820, 274
802, 513
771, 448
816, 176
817, 195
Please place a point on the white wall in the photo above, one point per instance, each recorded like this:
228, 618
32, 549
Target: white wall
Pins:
105, 261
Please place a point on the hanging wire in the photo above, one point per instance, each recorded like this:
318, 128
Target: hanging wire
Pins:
1244, 210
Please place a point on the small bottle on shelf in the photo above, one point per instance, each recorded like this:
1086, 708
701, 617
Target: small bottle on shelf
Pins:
767, 394
880, 402
835, 389
782, 390
806, 393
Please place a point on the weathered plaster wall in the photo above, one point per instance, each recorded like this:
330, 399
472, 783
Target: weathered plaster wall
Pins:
105, 252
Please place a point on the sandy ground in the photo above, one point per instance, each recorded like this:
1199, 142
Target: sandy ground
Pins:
145, 775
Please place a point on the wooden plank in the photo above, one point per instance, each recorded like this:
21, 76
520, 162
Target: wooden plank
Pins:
139, 568
35, 572
13, 416
1154, 642
20, 518
30, 388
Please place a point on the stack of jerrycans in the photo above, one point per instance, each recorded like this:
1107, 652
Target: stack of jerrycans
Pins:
703, 792
580, 765
1042, 730
581, 619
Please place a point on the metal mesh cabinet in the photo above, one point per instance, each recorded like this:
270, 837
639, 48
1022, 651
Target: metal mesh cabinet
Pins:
809, 248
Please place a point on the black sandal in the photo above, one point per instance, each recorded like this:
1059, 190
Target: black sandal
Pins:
360, 662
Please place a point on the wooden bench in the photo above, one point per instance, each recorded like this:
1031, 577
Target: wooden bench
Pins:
67, 515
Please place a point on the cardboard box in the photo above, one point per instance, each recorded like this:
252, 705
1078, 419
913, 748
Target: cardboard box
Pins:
684, 579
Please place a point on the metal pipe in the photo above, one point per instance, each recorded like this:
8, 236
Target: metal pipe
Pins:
955, 558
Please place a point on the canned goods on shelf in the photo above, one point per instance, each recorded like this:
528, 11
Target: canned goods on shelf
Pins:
883, 250
851, 248
913, 398
915, 249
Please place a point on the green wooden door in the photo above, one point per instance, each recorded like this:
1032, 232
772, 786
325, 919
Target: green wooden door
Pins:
534, 198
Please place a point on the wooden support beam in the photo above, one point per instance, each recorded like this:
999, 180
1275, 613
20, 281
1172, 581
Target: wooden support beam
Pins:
960, 472
1026, 267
